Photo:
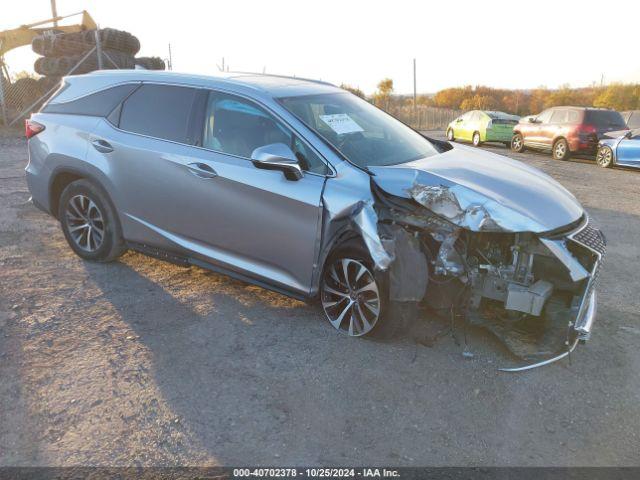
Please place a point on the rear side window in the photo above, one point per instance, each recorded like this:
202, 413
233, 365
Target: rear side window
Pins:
605, 119
573, 116
98, 104
160, 111
559, 116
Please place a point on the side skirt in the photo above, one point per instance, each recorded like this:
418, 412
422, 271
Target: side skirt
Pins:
187, 261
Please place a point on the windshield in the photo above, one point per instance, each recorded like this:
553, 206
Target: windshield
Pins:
365, 135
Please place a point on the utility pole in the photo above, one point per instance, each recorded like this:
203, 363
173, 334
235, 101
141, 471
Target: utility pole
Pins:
415, 94
96, 34
170, 59
54, 12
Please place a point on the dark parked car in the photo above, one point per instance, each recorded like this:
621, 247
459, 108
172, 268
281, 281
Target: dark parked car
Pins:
566, 130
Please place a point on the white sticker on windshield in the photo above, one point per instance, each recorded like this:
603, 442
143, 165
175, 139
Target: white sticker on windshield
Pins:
341, 123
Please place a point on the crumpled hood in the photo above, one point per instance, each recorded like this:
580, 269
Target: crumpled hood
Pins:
482, 191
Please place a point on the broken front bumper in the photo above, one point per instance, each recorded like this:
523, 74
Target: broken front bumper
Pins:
582, 331
584, 324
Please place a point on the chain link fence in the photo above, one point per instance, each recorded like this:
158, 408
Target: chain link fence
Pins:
424, 117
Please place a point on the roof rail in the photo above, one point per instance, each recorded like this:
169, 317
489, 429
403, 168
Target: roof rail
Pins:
312, 80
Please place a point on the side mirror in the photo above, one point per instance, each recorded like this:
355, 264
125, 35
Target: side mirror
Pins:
628, 134
277, 156
533, 120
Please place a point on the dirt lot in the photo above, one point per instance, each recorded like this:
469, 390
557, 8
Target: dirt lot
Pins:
139, 362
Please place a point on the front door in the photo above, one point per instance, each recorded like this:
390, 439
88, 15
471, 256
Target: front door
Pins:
628, 151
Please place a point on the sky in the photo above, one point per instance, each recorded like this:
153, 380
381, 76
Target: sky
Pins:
497, 43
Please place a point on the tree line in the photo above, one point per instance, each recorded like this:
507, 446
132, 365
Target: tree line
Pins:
520, 102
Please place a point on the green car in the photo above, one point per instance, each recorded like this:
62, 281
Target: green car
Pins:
479, 126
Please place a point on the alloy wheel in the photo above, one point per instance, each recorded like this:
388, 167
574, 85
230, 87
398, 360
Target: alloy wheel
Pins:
476, 139
516, 142
350, 297
85, 223
560, 149
450, 135
604, 157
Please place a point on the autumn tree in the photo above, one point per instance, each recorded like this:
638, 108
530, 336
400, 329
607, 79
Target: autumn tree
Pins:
354, 90
382, 95
619, 97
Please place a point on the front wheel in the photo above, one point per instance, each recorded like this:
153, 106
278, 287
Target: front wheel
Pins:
89, 222
353, 296
450, 135
561, 150
604, 157
476, 139
517, 143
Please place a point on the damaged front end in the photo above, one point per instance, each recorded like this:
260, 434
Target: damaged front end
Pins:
533, 289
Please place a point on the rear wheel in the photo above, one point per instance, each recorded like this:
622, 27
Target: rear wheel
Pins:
450, 135
561, 150
89, 222
353, 295
517, 143
604, 157
476, 139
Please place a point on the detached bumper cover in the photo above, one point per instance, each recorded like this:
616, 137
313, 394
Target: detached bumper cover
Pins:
594, 240
582, 331
584, 325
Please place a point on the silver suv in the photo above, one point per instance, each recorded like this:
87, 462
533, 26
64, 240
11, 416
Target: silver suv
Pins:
306, 189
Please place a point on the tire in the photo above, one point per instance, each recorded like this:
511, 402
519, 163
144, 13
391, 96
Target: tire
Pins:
151, 63
77, 43
61, 66
83, 203
371, 303
560, 150
604, 157
450, 135
476, 139
517, 143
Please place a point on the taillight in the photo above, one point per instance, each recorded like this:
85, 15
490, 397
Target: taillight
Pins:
587, 129
32, 128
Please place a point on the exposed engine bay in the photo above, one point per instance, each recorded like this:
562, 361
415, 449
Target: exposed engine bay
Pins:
532, 291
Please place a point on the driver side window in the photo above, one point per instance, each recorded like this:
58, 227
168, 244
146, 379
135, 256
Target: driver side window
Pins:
236, 126
545, 116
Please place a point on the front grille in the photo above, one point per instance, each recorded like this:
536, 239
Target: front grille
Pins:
592, 238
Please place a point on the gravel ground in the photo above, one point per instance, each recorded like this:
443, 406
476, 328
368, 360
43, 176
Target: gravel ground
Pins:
140, 362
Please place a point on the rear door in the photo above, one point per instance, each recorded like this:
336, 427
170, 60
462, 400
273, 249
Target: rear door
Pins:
556, 128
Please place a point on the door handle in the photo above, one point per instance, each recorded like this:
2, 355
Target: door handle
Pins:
201, 170
102, 146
